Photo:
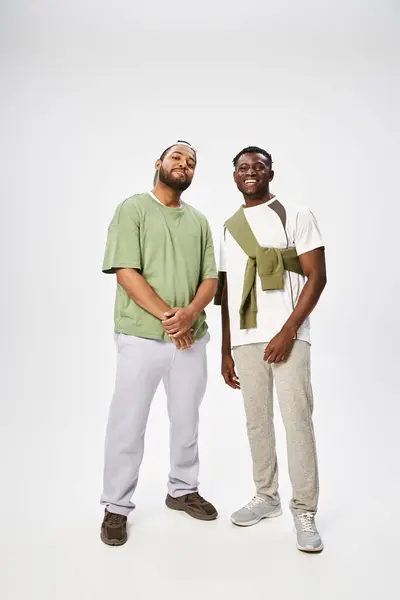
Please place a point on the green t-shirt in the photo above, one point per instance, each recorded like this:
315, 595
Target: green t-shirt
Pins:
173, 250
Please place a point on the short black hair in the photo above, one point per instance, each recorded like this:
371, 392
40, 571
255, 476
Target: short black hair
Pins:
253, 150
163, 155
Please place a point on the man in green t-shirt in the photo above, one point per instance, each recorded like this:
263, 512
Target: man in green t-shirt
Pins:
161, 250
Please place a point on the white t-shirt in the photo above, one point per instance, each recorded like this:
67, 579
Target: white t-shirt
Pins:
274, 307
157, 200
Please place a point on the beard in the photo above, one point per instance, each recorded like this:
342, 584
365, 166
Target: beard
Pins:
168, 179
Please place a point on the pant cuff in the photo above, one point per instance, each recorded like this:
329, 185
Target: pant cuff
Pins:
180, 493
117, 510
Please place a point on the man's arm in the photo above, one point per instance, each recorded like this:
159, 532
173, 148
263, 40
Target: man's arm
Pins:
225, 321
204, 295
144, 296
141, 292
314, 268
178, 321
228, 365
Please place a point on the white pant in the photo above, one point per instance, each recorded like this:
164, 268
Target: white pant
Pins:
142, 363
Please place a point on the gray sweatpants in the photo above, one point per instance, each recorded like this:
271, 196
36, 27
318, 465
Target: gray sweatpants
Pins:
142, 364
293, 385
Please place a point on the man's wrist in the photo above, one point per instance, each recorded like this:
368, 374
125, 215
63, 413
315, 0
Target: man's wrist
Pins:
194, 310
290, 328
162, 312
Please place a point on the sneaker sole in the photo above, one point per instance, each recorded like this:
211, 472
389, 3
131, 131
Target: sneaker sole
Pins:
272, 515
310, 549
113, 542
178, 506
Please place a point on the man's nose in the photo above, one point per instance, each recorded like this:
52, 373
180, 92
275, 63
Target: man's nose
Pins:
250, 171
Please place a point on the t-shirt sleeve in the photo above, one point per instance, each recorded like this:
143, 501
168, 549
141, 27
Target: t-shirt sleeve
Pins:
208, 268
307, 235
123, 240
222, 267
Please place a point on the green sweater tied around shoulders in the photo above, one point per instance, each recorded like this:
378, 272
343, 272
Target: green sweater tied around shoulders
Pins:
269, 263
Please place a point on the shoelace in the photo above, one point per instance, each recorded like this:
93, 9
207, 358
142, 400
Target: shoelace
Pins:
254, 502
114, 519
195, 496
307, 522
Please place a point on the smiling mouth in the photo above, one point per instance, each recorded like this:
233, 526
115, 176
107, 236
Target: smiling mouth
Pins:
250, 181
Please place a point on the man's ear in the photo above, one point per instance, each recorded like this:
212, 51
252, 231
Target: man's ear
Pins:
271, 175
157, 165
235, 175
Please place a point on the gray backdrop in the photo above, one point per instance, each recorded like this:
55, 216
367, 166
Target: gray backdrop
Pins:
92, 92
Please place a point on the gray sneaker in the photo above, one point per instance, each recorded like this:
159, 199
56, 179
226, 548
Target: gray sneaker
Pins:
254, 511
308, 538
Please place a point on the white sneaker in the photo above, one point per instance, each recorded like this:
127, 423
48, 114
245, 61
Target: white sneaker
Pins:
254, 511
308, 538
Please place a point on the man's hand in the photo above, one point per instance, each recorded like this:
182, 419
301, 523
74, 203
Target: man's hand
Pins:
178, 321
228, 372
184, 342
279, 347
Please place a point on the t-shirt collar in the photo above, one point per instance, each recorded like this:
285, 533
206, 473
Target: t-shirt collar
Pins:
157, 200
263, 204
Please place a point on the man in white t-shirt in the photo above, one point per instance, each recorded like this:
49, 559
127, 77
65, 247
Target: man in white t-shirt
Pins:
272, 271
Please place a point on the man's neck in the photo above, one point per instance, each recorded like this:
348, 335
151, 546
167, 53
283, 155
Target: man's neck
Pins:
166, 195
255, 201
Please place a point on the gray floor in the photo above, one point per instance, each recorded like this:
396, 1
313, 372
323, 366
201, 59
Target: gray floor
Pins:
50, 543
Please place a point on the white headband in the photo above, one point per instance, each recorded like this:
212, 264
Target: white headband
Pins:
182, 143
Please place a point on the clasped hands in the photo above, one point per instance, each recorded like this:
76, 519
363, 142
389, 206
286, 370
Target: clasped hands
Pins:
178, 323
